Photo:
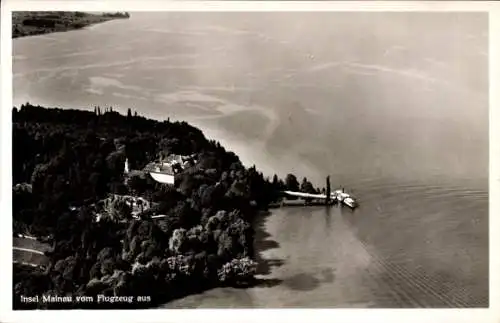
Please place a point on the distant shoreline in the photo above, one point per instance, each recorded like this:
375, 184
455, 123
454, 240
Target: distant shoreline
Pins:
33, 23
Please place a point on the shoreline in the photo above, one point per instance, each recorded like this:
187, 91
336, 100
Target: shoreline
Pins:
27, 24
244, 296
270, 256
254, 254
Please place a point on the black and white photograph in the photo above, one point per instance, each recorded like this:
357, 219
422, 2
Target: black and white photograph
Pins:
268, 159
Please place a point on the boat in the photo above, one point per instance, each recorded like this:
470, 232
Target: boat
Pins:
345, 198
350, 202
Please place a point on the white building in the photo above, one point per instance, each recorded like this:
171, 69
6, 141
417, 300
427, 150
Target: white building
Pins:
163, 178
165, 171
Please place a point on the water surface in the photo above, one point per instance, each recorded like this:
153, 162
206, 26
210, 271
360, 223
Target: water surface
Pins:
394, 106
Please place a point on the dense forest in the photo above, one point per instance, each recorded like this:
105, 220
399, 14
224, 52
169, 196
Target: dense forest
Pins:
28, 23
65, 161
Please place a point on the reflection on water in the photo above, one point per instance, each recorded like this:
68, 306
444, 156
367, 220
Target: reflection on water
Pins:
392, 105
395, 256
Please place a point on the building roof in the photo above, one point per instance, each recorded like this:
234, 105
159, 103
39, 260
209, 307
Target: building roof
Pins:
159, 168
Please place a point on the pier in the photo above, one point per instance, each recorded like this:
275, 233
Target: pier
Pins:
339, 196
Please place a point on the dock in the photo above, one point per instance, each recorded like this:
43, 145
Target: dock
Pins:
338, 196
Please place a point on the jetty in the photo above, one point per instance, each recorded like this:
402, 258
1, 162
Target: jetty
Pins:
338, 196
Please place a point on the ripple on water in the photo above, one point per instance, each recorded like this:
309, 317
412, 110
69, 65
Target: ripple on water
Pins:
435, 237
408, 245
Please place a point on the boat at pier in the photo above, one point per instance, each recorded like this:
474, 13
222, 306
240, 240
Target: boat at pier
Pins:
337, 196
350, 202
345, 198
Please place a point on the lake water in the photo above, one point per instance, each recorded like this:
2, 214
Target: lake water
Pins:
394, 106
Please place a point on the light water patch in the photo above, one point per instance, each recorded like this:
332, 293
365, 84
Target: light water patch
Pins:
101, 84
94, 91
187, 96
127, 96
175, 32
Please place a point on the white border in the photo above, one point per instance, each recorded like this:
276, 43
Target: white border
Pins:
159, 5
380, 315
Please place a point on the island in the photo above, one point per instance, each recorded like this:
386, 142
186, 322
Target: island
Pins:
29, 23
91, 222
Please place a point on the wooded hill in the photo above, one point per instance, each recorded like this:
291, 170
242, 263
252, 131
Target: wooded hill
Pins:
74, 158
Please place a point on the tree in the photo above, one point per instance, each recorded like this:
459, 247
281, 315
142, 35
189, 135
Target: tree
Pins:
98, 184
39, 177
237, 271
119, 209
208, 213
239, 189
275, 181
226, 245
138, 184
177, 241
187, 184
291, 183
105, 253
307, 187
107, 267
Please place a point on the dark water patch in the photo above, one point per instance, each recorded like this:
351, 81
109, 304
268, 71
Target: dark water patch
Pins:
302, 282
242, 124
328, 275
266, 282
262, 243
328, 217
268, 244
301, 204
266, 266
261, 235
302, 210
